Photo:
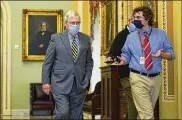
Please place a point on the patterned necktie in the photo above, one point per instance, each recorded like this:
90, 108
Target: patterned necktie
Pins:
74, 49
148, 55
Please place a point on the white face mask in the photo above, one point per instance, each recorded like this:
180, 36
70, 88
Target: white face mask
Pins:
74, 29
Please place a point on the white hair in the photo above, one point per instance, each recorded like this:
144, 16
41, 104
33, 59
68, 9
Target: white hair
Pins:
69, 14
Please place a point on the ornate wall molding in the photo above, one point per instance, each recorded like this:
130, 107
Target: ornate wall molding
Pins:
154, 6
125, 17
122, 15
6, 58
108, 26
166, 96
130, 8
126, 10
94, 10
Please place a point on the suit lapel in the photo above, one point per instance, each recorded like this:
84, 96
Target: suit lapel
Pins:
66, 43
80, 37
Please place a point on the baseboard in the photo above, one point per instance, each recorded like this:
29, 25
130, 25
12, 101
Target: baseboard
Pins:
20, 112
6, 112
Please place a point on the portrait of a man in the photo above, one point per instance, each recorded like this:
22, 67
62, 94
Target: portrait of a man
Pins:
38, 27
43, 36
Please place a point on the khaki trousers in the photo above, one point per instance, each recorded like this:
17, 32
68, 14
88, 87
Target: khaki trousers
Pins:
145, 91
132, 112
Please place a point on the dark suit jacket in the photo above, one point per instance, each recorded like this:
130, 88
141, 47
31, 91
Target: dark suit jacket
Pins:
115, 50
40, 39
60, 70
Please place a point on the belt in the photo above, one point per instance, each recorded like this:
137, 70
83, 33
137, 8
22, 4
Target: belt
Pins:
145, 74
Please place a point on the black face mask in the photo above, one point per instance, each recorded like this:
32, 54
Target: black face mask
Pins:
138, 23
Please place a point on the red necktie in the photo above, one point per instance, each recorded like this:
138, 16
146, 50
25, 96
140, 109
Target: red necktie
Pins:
148, 55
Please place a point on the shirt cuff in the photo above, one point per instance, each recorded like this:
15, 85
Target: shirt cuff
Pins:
173, 55
125, 56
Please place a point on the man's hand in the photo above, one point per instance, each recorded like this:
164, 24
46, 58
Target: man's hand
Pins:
162, 54
41, 46
122, 61
47, 88
109, 60
158, 54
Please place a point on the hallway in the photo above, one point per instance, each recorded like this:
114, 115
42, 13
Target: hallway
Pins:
101, 20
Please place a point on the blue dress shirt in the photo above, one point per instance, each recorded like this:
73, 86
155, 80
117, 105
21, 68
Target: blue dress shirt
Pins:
132, 49
77, 41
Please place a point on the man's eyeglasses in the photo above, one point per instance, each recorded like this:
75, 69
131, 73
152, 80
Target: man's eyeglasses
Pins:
75, 23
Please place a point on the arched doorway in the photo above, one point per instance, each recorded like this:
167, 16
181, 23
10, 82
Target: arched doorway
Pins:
5, 60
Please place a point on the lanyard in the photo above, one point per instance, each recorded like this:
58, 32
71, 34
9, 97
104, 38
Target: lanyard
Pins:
142, 45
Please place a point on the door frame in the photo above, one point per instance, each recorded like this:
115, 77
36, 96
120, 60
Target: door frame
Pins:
5, 58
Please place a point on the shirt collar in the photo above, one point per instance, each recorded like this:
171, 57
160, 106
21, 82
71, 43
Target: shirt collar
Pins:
43, 30
146, 31
71, 37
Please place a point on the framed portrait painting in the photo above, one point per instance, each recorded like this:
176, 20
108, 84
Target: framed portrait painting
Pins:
108, 25
38, 26
152, 4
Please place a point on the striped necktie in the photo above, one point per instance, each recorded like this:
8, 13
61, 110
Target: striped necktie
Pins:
148, 55
74, 49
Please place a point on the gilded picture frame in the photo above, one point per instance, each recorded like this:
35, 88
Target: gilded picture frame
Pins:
108, 26
38, 26
153, 5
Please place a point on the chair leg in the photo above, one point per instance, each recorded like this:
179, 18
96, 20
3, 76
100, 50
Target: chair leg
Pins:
31, 112
93, 117
52, 112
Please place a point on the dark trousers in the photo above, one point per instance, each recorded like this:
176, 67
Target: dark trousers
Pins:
69, 106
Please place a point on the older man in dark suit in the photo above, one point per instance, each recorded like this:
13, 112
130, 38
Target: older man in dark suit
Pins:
67, 69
